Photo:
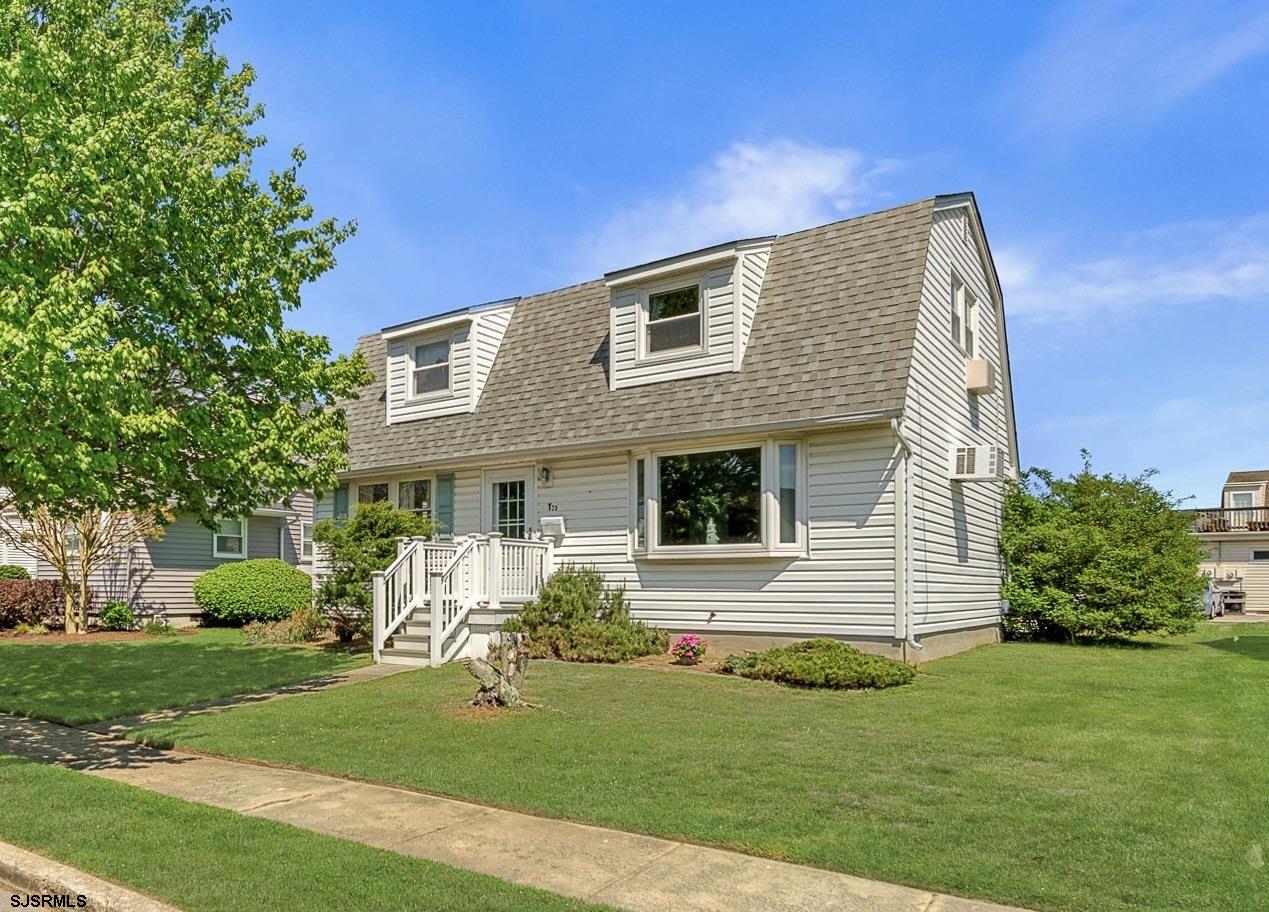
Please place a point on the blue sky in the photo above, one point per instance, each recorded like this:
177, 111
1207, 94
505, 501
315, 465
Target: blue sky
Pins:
1118, 152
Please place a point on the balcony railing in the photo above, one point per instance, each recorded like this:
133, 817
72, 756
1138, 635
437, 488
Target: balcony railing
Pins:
1235, 519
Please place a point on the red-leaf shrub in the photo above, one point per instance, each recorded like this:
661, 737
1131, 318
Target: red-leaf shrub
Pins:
33, 602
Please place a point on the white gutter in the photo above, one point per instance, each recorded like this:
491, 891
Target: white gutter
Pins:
903, 544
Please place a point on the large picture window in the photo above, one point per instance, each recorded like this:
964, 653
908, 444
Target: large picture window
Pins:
674, 319
711, 498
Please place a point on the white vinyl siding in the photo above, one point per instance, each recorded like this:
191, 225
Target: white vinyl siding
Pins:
1239, 557
956, 566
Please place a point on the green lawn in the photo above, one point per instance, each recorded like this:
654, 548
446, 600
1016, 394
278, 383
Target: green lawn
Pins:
205, 859
1054, 777
77, 683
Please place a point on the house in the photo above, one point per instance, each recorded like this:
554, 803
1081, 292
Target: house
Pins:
1236, 538
765, 440
156, 577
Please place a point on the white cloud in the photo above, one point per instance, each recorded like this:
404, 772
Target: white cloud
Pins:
1200, 262
747, 189
1102, 61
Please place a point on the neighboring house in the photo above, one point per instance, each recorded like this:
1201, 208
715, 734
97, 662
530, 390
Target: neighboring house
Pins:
769, 439
157, 577
1236, 536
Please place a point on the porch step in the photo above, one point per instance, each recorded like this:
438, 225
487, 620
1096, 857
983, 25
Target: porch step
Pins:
396, 655
410, 641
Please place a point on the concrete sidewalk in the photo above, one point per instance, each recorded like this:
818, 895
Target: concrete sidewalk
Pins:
639, 873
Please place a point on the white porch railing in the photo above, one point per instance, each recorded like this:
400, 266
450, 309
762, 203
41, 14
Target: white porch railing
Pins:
446, 581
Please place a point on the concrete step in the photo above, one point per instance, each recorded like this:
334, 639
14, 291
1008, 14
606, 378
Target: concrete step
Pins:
410, 641
397, 656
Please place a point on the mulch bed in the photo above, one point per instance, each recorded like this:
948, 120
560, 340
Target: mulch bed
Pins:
665, 661
95, 636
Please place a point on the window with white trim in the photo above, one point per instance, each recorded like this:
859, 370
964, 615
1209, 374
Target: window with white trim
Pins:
674, 319
306, 541
372, 493
1241, 500
230, 538
415, 496
964, 307
429, 370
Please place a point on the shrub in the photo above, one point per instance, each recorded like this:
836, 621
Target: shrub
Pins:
265, 589
32, 602
157, 627
13, 572
1097, 557
117, 616
354, 549
304, 626
688, 649
820, 663
30, 629
577, 619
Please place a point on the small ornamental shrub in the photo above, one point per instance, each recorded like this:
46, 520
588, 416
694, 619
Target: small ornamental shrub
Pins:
821, 663
32, 602
13, 572
30, 629
688, 649
355, 548
577, 619
304, 626
117, 616
239, 592
158, 627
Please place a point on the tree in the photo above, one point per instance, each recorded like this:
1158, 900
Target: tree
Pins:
353, 550
80, 546
146, 274
1098, 557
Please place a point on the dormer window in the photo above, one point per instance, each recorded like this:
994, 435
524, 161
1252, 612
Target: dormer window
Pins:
674, 319
430, 371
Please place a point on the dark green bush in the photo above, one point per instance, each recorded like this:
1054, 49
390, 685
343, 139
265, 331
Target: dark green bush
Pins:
821, 663
117, 616
13, 572
577, 619
354, 549
265, 589
304, 626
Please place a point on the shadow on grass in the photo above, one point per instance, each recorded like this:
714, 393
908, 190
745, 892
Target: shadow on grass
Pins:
1250, 647
47, 742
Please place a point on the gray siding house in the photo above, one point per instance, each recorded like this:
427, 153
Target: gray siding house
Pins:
769, 439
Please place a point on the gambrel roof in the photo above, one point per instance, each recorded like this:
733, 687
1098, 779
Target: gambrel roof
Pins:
832, 338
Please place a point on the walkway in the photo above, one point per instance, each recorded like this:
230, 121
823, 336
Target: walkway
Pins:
639, 873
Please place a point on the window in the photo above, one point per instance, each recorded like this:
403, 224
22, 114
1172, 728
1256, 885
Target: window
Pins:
306, 541
1260, 555
431, 368
711, 498
1241, 500
641, 506
964, 317
787, 492
674, 319
415, 496
70, 536
509, 508
372, 493
230, 538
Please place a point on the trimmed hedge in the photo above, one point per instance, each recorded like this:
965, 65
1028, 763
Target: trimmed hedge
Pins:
32, 602
576, 619
265, 589
13, 572
821, 662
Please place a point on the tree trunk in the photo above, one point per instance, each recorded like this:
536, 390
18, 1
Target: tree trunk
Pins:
71, 622
501, 675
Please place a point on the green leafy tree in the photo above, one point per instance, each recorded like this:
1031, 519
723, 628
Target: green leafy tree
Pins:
355, 549
145, 273
1098, 557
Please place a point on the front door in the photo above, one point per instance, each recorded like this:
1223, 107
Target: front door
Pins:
510, 502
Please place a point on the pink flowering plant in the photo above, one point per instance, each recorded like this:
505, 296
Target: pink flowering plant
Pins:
688, 648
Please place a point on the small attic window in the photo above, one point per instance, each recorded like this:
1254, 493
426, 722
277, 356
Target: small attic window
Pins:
674, 319
430, 372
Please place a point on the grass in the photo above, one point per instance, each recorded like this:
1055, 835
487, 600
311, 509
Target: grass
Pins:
1046, 776
76, 683
204, 859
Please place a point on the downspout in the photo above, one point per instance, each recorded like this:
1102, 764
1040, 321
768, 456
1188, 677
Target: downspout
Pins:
903, 509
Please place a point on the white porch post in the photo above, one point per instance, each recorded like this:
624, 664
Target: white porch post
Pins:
480, 567
434, 630
378, 612
495, 571
418, 576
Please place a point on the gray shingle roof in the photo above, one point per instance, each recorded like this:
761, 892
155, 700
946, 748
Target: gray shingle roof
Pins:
1244, 477
832, 337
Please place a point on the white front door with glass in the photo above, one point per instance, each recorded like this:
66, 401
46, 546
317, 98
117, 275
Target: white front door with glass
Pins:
510, 502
